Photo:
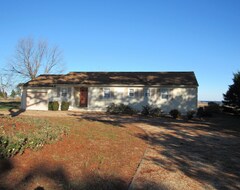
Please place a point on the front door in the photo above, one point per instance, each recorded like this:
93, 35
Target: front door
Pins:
83, 97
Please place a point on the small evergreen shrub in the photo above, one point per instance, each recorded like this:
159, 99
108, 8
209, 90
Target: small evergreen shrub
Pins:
156, 112
50, 105
146, 110
174, 113
190, 114
111, 108
120, 109
65, 105
53, 105
151, 111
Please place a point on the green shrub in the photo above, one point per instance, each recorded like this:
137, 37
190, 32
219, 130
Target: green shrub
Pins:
190, 114
111, 108
50, 105
65, 105
53, 105
120, 109
146, 110
174, 113
151, 111
156, 112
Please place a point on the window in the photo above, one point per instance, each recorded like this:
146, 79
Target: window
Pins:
147, 93
165, 94
106, 93
131, 92
64, 92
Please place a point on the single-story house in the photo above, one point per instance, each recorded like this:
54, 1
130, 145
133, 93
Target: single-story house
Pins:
94, 91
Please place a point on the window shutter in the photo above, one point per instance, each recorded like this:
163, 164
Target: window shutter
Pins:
100, 93
58, 91
111, 93
137, 93
69, 92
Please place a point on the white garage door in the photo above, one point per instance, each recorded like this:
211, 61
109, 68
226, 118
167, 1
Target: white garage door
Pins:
37, 101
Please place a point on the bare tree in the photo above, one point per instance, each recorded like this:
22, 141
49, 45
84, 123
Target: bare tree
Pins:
5, 84
31, 59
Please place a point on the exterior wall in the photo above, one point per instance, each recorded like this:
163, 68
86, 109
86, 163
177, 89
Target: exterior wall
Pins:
38, 98
183, 99
180, 98
35, 98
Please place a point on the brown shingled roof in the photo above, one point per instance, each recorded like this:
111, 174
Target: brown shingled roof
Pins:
116, 78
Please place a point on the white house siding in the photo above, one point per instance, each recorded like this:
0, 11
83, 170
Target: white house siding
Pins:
36, 98
180, 98
183, 99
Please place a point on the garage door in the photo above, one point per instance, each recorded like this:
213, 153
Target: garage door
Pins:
37, 101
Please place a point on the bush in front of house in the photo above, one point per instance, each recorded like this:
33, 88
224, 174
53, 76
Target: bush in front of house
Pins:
156, 112
54, 106
190, 114
151, 111
120, 109
146, 110
50, 105
175, 113
65, 105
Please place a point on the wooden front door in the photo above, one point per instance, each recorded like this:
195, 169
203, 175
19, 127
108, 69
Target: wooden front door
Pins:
83, 97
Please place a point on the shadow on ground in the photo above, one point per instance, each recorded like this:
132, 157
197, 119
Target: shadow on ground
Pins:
206, 150
43, 178
15, 112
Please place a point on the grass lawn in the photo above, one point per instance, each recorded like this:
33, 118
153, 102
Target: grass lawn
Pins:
6, 105
93, 155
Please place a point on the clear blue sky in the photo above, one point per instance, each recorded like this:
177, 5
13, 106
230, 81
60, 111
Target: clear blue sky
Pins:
133, 35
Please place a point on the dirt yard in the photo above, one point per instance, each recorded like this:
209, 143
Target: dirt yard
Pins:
93, 156
196, 154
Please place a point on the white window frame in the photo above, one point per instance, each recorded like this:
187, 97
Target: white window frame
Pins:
64, 92
165, 93
106, 93
131, 92
148, 93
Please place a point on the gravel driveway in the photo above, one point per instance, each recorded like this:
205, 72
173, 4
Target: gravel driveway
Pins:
190, 155
194, 155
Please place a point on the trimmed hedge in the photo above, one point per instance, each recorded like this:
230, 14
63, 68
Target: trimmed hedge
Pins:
175, 113
54, 106
151, 111
120, 109
190, 114
65, 105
